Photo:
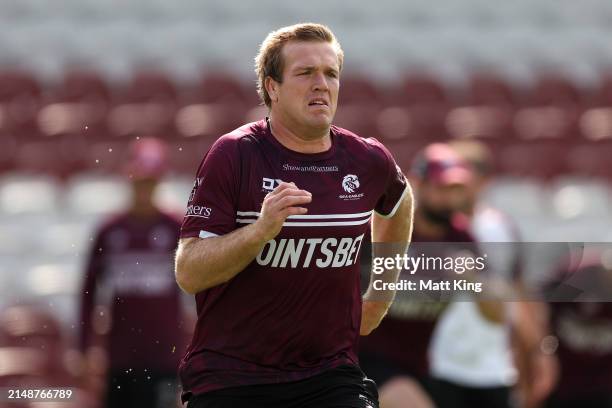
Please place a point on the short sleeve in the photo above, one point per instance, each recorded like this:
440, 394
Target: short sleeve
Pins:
212, 205
396, 185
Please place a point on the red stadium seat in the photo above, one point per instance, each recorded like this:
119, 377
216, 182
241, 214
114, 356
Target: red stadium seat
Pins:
8, 151
78, 106
150, 86
208, 120
415, 110
46, 156
147, 107
555, 89
486, 88
359, 102
418, 89
543, 159
554, 108
29, 328
16, 84
603, 96
220, 87
33, 354
358, 118
480, 121
487, 110
591, 159
215, 106
404, 152
144, 119
185, 155
26, 326
424, 123
83, 86
20, 99
394, 123
596, 123
358, 90
546, 122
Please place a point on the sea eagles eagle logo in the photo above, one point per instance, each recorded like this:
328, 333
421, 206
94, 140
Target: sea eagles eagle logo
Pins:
350, 183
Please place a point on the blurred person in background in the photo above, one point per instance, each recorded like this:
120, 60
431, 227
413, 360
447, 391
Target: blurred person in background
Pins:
130, 283
489, 358
279, 307
482, 358
580, 315
396, 354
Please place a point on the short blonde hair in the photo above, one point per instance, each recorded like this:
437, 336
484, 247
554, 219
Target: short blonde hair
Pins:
269, 61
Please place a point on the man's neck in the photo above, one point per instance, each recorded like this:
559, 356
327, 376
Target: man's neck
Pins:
300, 140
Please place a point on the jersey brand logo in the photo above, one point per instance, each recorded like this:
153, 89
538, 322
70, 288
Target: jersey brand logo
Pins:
312, 168
198, 211
269, 184
310, 252
350, 183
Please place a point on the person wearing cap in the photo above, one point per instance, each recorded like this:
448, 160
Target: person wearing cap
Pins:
479, 369
396, 354
129, 286
508, 354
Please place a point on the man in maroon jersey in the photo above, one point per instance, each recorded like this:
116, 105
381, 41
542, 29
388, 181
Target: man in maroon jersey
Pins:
271, 240
129, 273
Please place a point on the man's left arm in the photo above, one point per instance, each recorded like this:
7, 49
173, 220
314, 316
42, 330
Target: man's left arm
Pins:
390, 237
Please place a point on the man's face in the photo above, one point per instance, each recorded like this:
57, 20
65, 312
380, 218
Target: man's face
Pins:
439, 202
308, 95
143, 190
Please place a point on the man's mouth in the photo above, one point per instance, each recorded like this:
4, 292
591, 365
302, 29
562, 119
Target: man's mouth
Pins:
318, 102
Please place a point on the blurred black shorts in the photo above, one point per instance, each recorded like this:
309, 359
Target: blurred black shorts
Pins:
341, 387
381, 370
137, 389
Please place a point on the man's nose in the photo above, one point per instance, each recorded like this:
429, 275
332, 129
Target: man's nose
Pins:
320, 82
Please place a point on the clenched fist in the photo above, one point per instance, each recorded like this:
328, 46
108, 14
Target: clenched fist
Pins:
285, 200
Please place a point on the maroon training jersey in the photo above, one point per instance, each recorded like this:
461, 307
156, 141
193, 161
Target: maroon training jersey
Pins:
130, 270
584, 330
296, 309
402, 338
582, 322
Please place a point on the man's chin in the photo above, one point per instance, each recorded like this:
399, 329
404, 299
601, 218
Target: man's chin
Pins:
320, 122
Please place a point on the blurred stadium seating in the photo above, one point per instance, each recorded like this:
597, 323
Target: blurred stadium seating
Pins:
80, 79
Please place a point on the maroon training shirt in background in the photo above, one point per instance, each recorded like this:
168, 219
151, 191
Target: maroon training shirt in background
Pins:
584, 330
131, 270
581, 319
296, 309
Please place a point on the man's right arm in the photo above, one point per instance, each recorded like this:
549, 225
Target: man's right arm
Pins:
203, 263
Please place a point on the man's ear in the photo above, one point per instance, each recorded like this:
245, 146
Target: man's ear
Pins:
272, 88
